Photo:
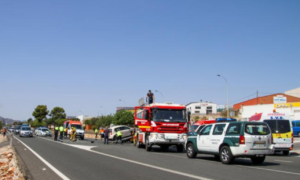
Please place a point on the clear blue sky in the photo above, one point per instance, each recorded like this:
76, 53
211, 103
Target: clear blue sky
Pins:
81, 55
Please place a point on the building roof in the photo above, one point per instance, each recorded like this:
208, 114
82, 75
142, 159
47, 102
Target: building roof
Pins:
200, 103
264, 100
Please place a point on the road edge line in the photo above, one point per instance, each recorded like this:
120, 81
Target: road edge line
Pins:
56, 171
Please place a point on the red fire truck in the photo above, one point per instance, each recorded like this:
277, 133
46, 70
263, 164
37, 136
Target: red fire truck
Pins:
161, 124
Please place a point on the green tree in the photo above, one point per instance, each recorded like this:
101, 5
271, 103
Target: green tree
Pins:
40, 113
58, 113
29, 121
36, 123
123, 118
87, 122
60, 122
197, 118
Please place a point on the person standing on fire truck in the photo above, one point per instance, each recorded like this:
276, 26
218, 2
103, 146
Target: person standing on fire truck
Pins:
150, 97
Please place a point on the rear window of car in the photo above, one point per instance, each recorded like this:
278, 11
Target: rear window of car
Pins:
233, 129
44, 130
257, 129
26, 128
279, 126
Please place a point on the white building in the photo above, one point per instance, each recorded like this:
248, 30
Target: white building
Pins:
293, 109
83, 117
294, 92
201, 108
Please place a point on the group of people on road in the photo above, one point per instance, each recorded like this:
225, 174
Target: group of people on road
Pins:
64, 132
103, 133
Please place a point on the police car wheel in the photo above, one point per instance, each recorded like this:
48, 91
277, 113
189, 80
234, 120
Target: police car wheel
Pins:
225, 155
258, 160
190, 151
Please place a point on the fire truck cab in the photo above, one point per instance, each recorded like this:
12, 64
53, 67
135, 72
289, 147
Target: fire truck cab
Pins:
162, 124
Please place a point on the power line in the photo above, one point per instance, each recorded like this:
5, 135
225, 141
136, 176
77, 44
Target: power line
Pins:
242, 98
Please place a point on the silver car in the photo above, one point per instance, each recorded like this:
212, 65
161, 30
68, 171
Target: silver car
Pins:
25, 131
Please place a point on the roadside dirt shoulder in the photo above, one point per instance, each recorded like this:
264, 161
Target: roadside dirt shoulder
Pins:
8, 162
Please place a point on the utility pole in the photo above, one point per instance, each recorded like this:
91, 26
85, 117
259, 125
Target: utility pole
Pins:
257, 97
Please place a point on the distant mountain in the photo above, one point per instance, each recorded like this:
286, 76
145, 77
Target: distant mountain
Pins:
7, 120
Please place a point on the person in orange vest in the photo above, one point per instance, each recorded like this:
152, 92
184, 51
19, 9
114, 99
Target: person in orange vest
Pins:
102, 133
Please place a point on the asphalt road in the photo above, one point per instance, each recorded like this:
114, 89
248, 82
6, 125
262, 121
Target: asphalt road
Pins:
86, 160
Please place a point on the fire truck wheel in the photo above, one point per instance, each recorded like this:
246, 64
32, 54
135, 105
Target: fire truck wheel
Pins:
147, 144
179, 148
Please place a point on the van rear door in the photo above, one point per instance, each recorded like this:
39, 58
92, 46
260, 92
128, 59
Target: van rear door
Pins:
257, 135
282, 132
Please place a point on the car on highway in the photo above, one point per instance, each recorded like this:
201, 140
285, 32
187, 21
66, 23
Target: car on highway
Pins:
125, 130
25, 131
17, 129
44, 132
230, 140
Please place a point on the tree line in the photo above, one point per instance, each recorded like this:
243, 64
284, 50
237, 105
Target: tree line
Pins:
57, 116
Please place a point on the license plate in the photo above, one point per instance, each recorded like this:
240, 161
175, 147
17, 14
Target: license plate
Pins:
260, 144
171, 137
282, 145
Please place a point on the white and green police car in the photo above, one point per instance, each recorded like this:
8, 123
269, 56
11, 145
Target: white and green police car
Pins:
229, 140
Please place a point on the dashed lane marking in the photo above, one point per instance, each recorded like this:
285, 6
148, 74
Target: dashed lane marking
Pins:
284, 161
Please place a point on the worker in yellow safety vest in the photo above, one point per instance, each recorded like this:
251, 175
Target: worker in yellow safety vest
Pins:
55, 133
61, 131
96, 133
119, 136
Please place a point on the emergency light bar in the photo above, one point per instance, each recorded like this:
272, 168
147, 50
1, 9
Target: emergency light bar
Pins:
225, 120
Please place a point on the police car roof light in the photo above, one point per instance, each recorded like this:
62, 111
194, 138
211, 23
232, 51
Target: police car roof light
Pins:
225, 120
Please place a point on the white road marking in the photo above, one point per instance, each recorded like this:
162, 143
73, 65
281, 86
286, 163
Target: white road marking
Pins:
139, 163
170, 155
284, 161
274, 170
60, 174
168, 170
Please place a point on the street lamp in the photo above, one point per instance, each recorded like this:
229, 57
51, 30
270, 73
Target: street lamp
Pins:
227, 94
161, 95
124, 103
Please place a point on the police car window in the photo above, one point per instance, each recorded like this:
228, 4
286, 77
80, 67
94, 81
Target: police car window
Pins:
233, 129
200, 128
206, 130
219, 128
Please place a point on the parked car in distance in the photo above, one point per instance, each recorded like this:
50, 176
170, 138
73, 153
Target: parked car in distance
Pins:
25, 131
230, 140
125, 130
44, 132
17, 129
296, 127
